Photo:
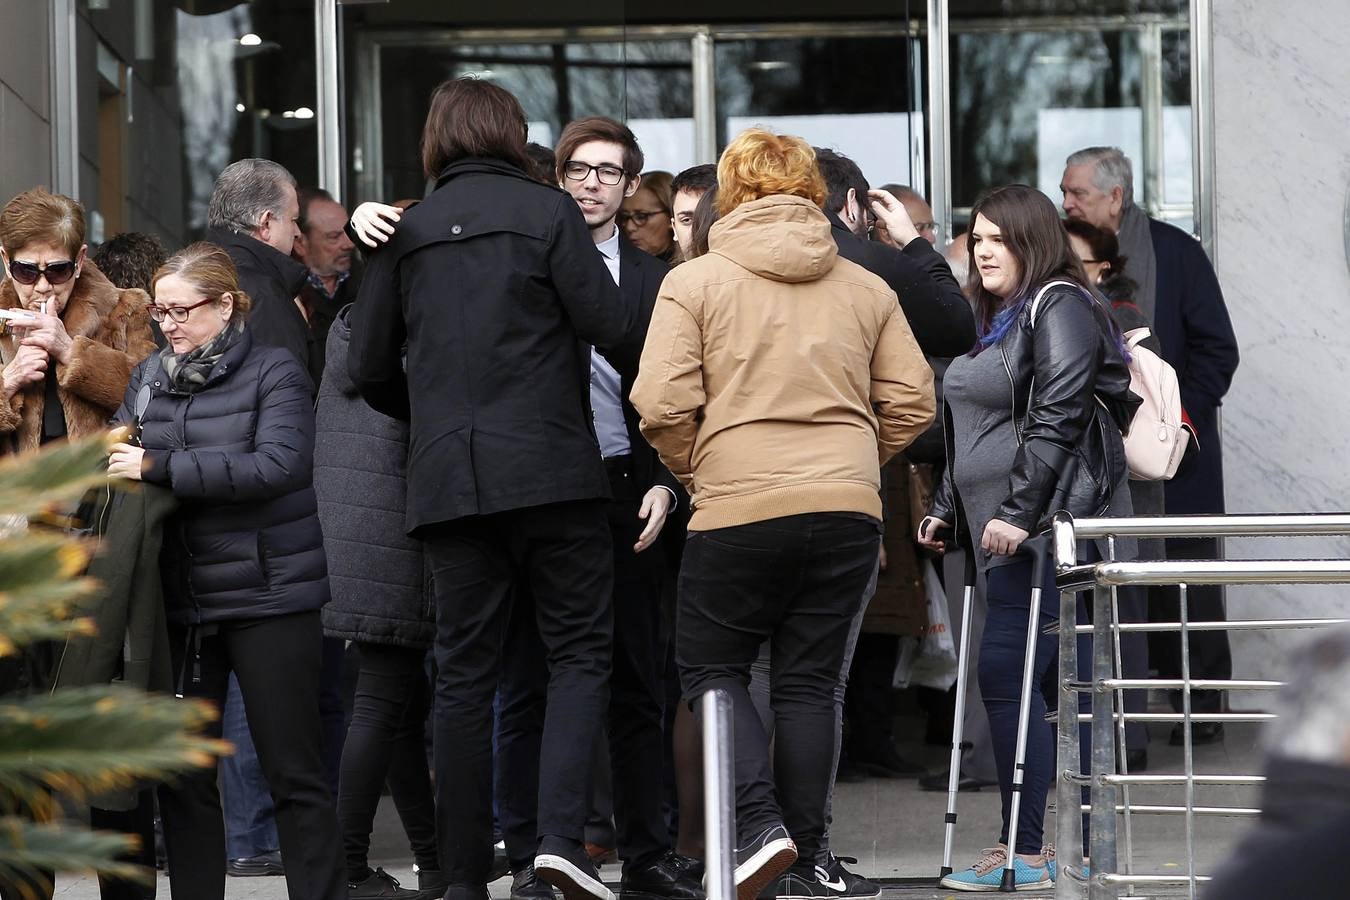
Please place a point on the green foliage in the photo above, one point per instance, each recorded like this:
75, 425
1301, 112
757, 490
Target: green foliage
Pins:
76, 742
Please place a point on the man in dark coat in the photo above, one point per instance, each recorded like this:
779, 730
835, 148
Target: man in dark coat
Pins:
606, 156
475, 322
936, 309
331, 281
252, 215
1179, 292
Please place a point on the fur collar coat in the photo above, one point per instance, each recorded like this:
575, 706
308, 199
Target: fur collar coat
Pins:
110, 332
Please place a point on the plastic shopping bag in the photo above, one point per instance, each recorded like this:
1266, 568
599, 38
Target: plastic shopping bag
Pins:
930, 660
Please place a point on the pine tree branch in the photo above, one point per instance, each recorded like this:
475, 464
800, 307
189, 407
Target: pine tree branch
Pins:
27, 850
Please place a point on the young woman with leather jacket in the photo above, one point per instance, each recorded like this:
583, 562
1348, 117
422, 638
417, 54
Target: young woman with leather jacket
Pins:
1033, 420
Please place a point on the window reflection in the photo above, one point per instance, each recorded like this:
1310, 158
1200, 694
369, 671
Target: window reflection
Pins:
857, 95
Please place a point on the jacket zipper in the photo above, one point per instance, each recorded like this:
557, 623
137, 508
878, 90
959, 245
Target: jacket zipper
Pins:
1012, 386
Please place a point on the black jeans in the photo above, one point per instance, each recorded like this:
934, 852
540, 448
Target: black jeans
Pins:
562, 551
387, 741
277, 661
636, 704
797, 581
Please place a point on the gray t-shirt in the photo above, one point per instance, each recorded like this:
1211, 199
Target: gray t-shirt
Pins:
984, 447
984, 443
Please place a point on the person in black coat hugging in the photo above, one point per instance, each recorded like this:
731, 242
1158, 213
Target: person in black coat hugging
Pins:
494, 287
228, 427
382, 601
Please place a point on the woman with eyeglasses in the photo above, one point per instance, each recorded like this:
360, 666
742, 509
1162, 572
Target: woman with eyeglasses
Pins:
227, 426
71, 338
645, 216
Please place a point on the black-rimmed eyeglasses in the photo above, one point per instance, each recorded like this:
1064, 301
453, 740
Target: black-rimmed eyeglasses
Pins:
178, 313
574, 170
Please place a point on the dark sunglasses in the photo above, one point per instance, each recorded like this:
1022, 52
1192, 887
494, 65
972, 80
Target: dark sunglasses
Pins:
29, 273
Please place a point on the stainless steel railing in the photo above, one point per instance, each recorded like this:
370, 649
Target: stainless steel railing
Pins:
1109, 787
719, 795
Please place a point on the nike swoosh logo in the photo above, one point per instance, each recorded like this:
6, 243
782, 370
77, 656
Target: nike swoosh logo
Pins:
824, 879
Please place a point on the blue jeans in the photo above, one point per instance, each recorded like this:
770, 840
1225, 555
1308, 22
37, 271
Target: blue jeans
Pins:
1002, 654
250, 820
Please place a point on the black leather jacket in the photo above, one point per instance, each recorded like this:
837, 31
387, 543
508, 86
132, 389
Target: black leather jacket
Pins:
1069, 390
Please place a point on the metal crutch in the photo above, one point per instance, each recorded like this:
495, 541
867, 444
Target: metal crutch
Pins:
1039, 549
959, 714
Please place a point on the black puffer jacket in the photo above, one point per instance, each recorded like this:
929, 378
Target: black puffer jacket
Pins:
238, 454
1069, 389
381, 590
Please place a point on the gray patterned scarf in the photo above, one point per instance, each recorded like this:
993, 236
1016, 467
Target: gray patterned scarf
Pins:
187, 372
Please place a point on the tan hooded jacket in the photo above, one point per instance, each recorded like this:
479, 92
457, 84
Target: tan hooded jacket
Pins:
777, 377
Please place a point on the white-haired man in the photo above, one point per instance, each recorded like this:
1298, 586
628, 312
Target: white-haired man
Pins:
1179, 293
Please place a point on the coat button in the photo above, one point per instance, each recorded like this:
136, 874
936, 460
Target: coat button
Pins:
456, 229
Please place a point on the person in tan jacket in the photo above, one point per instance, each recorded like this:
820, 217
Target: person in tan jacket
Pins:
775, 379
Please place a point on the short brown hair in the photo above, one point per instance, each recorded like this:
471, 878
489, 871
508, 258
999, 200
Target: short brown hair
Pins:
210, 270
472, 118
759, 163
599, 128
37, 216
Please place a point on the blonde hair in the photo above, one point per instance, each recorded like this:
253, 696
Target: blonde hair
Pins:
759, 163
38, 216
210, 270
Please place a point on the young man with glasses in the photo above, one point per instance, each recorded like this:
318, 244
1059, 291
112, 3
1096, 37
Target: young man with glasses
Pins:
598, 161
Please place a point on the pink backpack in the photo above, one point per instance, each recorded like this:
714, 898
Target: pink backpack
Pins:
1159, 431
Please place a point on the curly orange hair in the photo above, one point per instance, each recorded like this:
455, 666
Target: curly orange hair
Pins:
759, 163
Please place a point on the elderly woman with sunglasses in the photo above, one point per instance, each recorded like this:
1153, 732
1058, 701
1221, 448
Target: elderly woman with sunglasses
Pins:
70, 337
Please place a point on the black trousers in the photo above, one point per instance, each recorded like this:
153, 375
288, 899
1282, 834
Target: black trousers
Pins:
636, 705
139, 821
797, 581
868, 705
386, 742
562, 552
276, 661
1211, 656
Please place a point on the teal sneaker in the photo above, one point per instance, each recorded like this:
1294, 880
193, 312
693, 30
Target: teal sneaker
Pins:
986, 875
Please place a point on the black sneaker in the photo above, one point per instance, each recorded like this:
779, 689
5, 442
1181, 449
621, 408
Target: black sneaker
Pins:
379, 883
669, 877
761, 860
840, 882
526, 885
565, 865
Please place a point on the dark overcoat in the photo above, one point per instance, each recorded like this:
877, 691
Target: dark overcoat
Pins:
494, 285
1192, 324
